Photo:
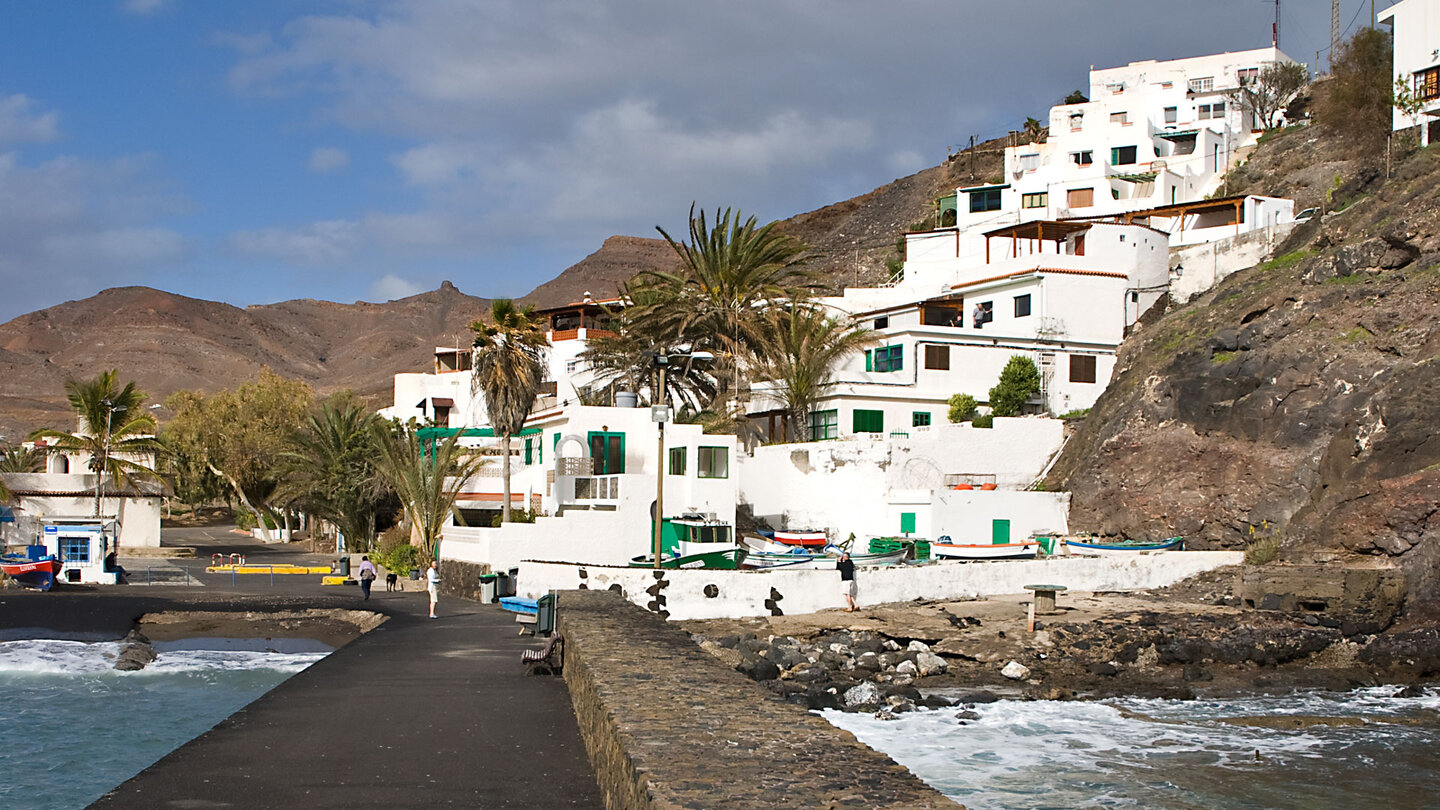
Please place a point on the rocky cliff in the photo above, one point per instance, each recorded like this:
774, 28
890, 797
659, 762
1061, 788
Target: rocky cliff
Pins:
1297, 401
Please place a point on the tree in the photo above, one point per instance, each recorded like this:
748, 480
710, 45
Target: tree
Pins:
418, 471
1271, 91
1034, 131
1354, 103
242, 435
962, 408
626, 358
715, 301
808, 343
329, 470
115, 431
508, 370
1075, 97
1019, 381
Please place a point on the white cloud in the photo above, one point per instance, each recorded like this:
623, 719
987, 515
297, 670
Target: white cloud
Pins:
315, 244
144, 6
21, 123
328, 159
391, 287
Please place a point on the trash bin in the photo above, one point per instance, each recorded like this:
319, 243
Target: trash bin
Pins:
545, 614
342, 566
487, 587
511, 578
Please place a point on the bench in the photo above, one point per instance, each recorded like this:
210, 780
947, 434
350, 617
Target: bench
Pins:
550, 658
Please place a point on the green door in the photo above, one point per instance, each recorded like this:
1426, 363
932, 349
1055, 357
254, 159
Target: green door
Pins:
907, 522
607, 452
999, 531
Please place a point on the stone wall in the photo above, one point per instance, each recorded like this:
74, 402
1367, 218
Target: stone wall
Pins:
667, 725
460, 579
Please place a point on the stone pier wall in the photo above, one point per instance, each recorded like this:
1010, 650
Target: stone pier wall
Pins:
668, 726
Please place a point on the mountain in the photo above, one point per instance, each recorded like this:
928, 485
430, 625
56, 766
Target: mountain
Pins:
168, 342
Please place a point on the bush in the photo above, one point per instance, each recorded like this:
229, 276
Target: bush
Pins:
245, 521
1262, 551
396, 554
1018, 383
962, 408
984, 421
1078, 413
1354, 104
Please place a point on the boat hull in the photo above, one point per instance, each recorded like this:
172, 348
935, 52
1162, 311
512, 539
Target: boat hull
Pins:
1083, 547
33, 573
987, 551
723, 559
803, 538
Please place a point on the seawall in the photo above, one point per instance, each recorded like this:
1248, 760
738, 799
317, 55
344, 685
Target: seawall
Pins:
666, 725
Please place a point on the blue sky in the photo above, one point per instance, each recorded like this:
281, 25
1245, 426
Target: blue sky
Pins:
255, 151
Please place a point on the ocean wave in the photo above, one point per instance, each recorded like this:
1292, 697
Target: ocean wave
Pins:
51, 656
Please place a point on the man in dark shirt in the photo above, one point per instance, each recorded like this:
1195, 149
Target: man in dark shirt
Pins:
846, 566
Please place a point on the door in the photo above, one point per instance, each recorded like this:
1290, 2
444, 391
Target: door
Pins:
999, 531
607, 452
907, 522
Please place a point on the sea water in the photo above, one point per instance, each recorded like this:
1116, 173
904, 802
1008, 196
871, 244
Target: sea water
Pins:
73, 727
1371, 748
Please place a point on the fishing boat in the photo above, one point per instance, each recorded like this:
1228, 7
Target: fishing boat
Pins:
688, 535
805, 538
944, 548
1092, 546
35, 571
727, 559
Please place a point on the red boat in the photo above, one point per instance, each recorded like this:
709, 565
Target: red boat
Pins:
37, 573
801, 537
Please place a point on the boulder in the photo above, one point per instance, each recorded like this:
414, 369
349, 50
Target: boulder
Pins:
862, 696
1015, 671
929, 663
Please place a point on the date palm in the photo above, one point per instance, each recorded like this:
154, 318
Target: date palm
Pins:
114, 430
808, 344
427, 476
508, 370
328, 469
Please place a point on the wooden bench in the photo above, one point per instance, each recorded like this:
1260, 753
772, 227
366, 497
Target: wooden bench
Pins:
550, 658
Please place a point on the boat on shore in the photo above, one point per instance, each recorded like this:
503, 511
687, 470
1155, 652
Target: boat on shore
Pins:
1076, 546
805, 538
944, 549
726, 559
765, 553
34, 571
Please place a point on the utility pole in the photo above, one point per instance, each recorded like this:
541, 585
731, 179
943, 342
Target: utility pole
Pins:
1334, 35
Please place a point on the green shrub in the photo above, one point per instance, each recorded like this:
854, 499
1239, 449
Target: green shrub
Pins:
984, 421
1019, 381
396, 554
1078, 413
1262, 551
962, 408
245, 521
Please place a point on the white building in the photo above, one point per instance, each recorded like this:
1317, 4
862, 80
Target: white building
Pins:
1152, 134
1416, 25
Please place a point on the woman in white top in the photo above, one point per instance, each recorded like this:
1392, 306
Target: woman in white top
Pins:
432, 578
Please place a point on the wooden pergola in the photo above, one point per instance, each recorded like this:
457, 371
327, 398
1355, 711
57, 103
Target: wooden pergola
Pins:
1182, 210
1039, 230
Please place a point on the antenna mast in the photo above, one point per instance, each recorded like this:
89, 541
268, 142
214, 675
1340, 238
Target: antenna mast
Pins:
1334, 32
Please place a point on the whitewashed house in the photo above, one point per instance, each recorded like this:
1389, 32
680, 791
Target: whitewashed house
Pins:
1416, 26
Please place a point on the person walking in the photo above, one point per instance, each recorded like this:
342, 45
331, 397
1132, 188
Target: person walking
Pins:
846, 567
432, 582
368, 573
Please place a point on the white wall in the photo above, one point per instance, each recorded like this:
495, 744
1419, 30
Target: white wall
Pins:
966, 515
744, 593
1416, 24
1202, 266
137, 517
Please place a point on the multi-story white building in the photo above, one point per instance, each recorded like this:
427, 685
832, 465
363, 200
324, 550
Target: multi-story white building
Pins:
1152, 134
1416, 24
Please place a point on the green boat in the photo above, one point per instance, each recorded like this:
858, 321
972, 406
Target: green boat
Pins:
727, 559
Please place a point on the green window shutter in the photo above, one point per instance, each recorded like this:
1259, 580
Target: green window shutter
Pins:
999, 531
907, 522
868, 421
529, 452
869, 360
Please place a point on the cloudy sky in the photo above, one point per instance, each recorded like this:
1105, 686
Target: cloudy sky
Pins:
258, 151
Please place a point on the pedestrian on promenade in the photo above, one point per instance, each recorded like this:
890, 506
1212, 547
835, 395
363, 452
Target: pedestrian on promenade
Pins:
367, 575
432, 578
846, 566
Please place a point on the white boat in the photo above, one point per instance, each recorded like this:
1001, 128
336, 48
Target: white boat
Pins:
1023, 550
1092, 546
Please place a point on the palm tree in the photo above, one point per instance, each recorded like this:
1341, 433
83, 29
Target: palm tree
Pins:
809, 344
1034, 131
329, 469
508, 371
728, 275
114, 430
627, 358
18, 460
418, 471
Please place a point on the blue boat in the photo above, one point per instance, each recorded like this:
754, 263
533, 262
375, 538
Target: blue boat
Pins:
35, 569
1122, 547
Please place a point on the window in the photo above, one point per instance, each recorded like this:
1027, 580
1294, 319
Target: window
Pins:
937, 358
1427, 83
1039, 199
1206, 112
1082, 368
920, 419
984, 313
885, 358
1245, 76
1080, 197
1170, 114
986, 200
1115, 88
882, 322
869, 421
824, 425
677, 460
713, 462
1122, 155
1120, 118
75, 548
1022, 305
1084, 158
1203, 85
942, 314
607, 453
572, 367
1029, 163
1077, 120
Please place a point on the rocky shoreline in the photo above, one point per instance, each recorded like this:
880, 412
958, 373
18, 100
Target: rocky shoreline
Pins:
933, 654
334, 628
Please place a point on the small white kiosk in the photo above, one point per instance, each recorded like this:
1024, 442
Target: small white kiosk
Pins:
84, 547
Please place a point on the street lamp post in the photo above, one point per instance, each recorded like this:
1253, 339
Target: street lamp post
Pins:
110, 410
660, 414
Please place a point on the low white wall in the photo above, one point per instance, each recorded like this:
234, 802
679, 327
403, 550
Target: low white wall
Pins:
744, 593
967, 515
611, 538
1207, 264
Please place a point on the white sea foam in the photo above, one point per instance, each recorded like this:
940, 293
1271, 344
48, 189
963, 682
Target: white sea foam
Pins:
49, 656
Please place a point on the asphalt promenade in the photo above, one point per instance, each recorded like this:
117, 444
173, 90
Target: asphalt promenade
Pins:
416, 713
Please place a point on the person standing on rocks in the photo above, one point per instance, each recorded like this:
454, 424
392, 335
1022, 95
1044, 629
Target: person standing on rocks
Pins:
432, 581
846, 567
367, 575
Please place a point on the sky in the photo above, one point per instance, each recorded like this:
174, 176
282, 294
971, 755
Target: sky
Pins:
266, 150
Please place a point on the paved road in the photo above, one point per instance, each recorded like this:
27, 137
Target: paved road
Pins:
417, 713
